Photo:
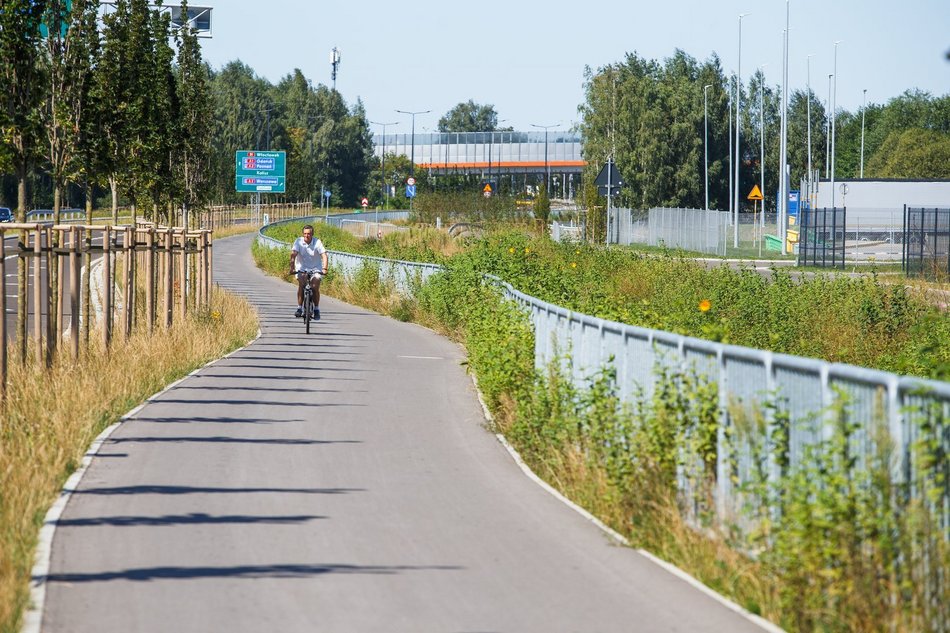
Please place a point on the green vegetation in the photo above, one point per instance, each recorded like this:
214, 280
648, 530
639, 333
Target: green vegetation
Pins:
831, 544
859, 321
650, 115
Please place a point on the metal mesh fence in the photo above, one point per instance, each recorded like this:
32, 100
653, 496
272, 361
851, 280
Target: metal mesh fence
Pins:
821, 240
927, 243
690, 229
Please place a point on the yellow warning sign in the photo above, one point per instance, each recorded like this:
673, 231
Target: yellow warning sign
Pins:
487, 188
755, 194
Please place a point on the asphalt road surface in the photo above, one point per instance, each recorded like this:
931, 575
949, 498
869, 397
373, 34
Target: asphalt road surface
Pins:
338, 482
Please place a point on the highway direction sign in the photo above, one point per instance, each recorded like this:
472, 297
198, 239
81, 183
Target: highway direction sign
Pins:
257, 171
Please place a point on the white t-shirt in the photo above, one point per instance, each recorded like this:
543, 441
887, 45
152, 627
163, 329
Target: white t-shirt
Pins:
309, 256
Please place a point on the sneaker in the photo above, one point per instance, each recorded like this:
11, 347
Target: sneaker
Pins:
316, 314
298, 313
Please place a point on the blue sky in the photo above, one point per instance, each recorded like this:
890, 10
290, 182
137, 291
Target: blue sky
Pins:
528, 59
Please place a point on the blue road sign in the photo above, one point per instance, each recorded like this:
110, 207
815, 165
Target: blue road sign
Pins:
793, 202
410, 191
260, 171
326, 193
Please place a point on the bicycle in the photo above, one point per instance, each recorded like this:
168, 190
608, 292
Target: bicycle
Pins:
307, 306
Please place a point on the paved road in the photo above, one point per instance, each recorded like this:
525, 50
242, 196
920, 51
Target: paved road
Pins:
338, 482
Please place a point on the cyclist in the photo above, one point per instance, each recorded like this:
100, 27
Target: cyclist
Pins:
308, 255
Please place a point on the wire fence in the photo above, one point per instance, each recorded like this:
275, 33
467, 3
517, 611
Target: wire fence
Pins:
926, 247
690, 229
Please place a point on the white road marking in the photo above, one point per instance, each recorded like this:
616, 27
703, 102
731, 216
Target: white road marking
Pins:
423, 357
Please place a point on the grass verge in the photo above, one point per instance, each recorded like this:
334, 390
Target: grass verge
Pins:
51, 416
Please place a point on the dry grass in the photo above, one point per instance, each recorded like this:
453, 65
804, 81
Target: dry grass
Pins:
50, 417
235, 229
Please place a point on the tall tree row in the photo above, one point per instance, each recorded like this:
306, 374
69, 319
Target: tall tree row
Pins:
650, 116
103, 103
328, 143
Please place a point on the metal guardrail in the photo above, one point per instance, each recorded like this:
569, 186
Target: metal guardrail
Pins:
751, 382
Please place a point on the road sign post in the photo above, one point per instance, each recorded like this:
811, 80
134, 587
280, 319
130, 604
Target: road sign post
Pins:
756, 195
257, 172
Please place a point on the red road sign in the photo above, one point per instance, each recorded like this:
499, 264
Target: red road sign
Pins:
365, 203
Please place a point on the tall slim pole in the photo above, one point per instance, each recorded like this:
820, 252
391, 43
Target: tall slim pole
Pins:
762, 139
783, 167
808, 115
732, 98
834, 104
382, 164
547, 170
706, 138
828, 130
864, 108
735, 227
412, 158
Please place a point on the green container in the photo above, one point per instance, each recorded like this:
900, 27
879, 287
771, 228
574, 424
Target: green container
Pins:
773, 243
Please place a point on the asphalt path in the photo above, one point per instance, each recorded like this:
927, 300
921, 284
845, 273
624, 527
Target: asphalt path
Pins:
342, 481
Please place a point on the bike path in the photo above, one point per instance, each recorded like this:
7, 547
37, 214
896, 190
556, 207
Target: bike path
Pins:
338, 482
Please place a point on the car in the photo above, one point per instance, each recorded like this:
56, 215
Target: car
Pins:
6, 215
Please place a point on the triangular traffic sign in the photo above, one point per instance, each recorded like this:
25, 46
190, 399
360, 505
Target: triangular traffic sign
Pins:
487, 188
755, 194
609, 176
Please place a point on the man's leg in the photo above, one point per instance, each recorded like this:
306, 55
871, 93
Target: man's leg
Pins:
315, 284
301, 280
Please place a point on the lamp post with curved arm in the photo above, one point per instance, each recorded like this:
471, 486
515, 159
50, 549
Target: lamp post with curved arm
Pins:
382, 165
547, 170
412, 157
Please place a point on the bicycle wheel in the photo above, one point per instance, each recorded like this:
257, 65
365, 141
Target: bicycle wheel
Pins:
307, 310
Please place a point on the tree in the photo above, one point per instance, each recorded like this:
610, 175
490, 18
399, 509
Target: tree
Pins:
542, 204
469, 117
194, 122
912, 153
22, 94
81, 125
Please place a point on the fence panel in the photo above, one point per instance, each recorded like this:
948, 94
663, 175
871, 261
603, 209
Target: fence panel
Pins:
926, 250
821, 241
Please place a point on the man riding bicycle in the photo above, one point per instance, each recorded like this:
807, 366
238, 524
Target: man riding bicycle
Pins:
308, 255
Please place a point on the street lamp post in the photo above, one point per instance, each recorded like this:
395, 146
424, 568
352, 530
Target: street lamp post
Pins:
834, 103
762, 138
491, 141
864, 108
547, 171
412, 158
735, 231
783, 163
828, 130
706, 139
808, 115
382, 166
